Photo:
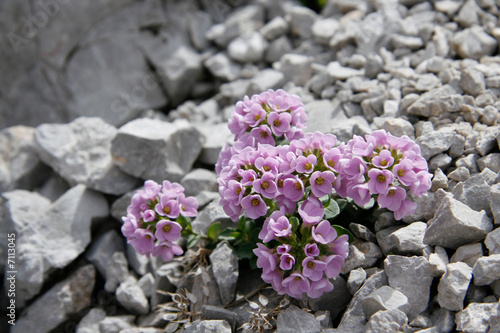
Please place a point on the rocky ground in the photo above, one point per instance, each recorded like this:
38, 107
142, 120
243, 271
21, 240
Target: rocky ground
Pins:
97, 96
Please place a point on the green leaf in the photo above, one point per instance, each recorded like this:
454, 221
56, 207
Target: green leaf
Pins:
193, 240
183, 221
325, 200
229, 234
342, 203
245, 251
213, 231
241, 223
294, 222
343, 231
249, 226
370, 204
332, 210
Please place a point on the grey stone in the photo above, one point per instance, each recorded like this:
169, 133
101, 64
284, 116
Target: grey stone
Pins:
486, 141
210, 214
225, 267
54, 187
472, 82
361, 231
178, 72
373, 66
440, 180
168, 150
167, 278
130, 295
421, 322
278, 48
206, 197
492, 241
205, 288
216, 137
460, 174
473, 43
355, 259
427, 82
59, 303
413, 277
114, 324
474, 193
392, 320
209, 326
220, 66
410, 239
116, 271
275, 28
386, 243
324, 29
495, 203
395, 126
20, 166
469, 162
354, 318
438, 260
198, 180
65, 224
116, 91
356, 278
142, 330
407, 42
468, 254
489, 176
296, 68
384, 298
294, 319
301, 21
264, 80
119, 206
435, 143
370, 250
198, 24
490, 114
103, 248
429, 103
211, 312
468, 14
477, 317
453, 286
441, 161
322, 116
455, 224
247, 48
385, 220
486, 270
90, 322
339, 72
147, 284
490, 161
333, 302
457, 148
81, 153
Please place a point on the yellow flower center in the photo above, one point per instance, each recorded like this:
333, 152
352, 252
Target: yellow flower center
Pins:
331, 163
166, 209
391, 192
298, 186
401, 172
308, 166
264, 134
319, 181
264, 185
381, 178
383, 163
167, 228
255, 202
276, 123
310, 264
148, 236
266, 168
238, 190
257, 117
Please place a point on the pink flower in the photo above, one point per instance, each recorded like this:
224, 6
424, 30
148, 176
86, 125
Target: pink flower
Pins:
320, 287
237, 125
286, 261
311, 250
296, 284
284, 203
232, 210
151, 190
392, 199
361, 147
281, 227
379, 180
248, 177
322, 183
305, 164
404, 172
359, 193
167, 207
172, 190
324, 233
279, 122
333, 265
331, 159
312, 268
267, 164
254, 206
137, 205
167, 250
383, 160
143, 241
354, 169
311, 211
149, 215
263, 135
188, 205
340, 246
255, 116
168, 230
283, 248
234, 191
422, 184
266, 260
266, 185
129, 225
293, 189
407, 208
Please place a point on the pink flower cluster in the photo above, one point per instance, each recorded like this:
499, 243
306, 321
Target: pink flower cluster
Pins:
304, 257
267, 117
151, 225
384, 166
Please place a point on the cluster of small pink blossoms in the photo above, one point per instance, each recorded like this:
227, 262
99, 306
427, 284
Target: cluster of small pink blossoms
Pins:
384, 166
151, 225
